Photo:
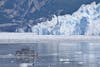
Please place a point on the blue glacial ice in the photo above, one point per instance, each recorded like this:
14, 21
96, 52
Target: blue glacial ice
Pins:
85, 21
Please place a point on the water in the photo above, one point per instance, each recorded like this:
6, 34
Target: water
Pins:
53, 55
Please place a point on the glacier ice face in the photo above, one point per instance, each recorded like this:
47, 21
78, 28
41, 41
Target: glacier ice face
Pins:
85, 21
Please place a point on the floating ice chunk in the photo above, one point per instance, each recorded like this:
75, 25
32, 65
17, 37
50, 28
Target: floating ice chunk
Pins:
64, 60
80, 62
25, 64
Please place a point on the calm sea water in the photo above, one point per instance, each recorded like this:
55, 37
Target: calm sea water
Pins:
54, 55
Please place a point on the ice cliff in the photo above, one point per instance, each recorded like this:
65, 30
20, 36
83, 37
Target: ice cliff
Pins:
85, 21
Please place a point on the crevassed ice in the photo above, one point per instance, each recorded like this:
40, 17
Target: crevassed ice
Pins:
85, 21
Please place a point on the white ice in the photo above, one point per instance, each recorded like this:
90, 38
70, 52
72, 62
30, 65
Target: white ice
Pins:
85, 21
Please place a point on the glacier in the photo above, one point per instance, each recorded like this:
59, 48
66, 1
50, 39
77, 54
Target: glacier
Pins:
85, 21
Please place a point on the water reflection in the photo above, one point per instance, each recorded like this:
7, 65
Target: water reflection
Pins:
50, 55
